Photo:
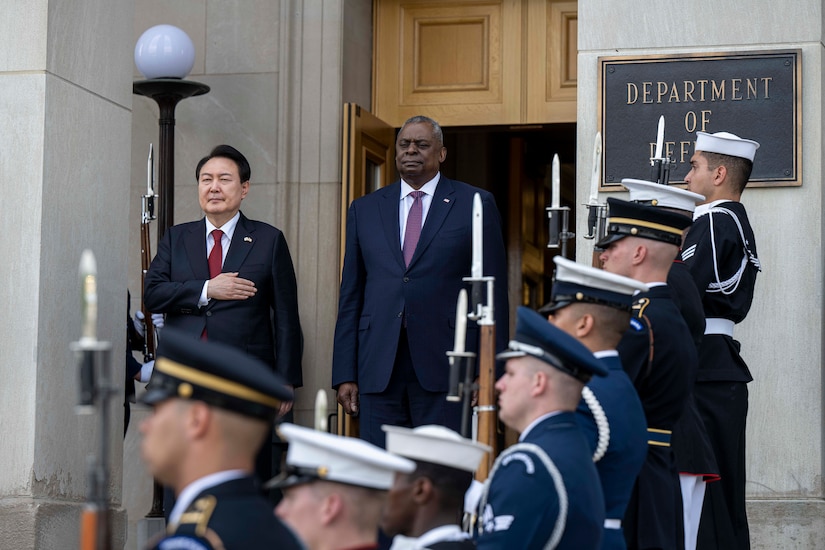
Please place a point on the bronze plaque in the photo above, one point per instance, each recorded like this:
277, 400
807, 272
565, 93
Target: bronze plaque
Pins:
755, 95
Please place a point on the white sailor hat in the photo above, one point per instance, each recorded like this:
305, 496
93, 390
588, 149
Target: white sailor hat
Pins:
726, 143
435, 444
575, 282
314, 455
656, 194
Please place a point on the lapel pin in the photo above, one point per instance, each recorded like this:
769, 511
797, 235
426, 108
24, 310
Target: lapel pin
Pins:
446, 200
247, 239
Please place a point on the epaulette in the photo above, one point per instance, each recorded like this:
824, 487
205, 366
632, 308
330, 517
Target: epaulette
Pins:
639, 307
199, 513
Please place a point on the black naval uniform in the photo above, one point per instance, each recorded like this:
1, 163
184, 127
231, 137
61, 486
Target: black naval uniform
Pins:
690, 441
720, 251
659, 356
231, 515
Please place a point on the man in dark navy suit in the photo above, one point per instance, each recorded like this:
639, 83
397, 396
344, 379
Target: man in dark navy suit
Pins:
594, 306
213, 407
408, 246
543, 492
238, 289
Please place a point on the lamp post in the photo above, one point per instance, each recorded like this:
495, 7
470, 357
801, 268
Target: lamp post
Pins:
164, 55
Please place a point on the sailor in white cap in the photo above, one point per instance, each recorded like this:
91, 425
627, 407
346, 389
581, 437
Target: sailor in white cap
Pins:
428, 502
720, 251
334, 488
594, 306
690, 441
659, 355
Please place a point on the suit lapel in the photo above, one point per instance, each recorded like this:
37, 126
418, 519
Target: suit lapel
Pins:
388, 210
195, 246
440, 206
242, 240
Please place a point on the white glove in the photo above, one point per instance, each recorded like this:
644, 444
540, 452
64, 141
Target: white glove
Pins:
146, 371
140, 324
157, 320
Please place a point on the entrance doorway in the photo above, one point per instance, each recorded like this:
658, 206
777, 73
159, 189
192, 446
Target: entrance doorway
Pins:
514, 163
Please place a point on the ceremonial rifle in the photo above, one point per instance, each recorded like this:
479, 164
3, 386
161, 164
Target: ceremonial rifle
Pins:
147, 214
660, 163
96, 391
596, 211
558, 217
482, 312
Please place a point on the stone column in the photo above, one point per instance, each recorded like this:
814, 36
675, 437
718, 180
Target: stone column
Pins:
65, 88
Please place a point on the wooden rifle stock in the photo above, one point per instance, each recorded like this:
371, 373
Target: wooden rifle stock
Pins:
487, 410
149, 345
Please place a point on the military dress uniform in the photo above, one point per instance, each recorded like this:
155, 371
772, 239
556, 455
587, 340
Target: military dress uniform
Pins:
610, 413
544, 491
658, 354
223, 510
726, 281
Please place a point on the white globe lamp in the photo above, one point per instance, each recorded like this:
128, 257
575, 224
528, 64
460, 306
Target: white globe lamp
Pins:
164, 51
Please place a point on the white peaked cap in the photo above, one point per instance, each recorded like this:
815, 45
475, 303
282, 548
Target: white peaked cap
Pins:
726, 143
666, 196
435, 444
343, 459
570, 272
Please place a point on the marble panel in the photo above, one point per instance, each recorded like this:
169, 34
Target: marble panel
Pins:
242, 36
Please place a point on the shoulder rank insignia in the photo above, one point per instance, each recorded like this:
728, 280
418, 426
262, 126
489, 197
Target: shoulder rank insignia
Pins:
639, 307
199, 513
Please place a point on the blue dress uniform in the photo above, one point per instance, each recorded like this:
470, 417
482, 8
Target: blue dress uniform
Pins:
610, 413
726, 282
627, 448
229, 511
230, 515
544, 492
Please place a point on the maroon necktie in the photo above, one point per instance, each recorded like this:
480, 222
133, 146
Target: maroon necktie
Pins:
413, 231
215, 262
216, 256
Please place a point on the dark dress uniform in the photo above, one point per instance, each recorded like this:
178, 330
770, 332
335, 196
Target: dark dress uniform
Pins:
230, 515
531, 481
658, 354
720, 251
690, 441
627, 447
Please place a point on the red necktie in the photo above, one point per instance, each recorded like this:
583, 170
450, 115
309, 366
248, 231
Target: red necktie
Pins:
215, 262
413, 231
216, 256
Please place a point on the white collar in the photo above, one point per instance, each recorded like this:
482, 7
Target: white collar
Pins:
228, 228
198, 486
605, 353
428, 188
441, 534
703, 209
535, 422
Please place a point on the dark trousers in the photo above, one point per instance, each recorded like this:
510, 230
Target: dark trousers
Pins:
724, 408
404, 402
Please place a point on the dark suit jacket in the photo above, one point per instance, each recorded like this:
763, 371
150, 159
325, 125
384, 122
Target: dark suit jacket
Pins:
378, 291
266, 326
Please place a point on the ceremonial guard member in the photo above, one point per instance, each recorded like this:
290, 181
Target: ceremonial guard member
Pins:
594, 306
658, 354
428, 502
720, 251
543, 492
690, 442
334, 488
212, 410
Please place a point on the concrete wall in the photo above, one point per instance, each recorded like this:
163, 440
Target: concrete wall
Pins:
782, 337
64, 87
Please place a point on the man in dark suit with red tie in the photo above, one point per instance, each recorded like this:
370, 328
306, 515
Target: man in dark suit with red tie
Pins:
229, 279
408, 246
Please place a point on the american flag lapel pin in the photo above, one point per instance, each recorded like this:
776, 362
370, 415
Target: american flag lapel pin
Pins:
247, 239
446, 200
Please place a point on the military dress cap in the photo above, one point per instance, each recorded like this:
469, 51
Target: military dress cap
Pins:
639, 220
313, 455
223, 376
574, 282
725, 143
435, 444
663, 196
536, 337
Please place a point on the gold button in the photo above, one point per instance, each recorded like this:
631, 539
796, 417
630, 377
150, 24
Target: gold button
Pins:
654, 202
579, 296
323, 471
185, 390
633, 231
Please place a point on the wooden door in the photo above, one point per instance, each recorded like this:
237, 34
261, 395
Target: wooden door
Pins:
367, 164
